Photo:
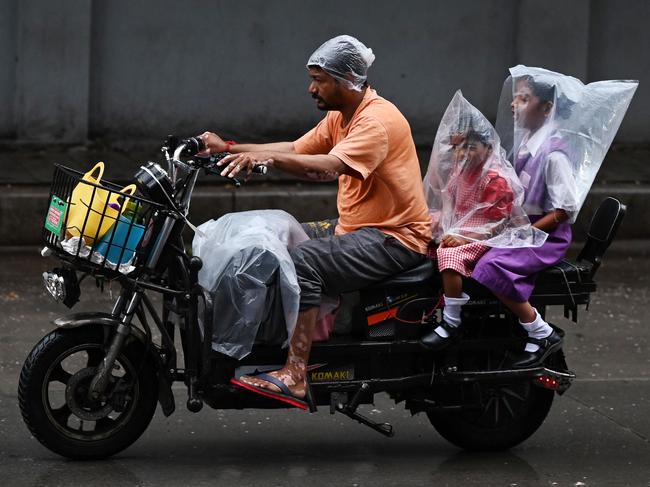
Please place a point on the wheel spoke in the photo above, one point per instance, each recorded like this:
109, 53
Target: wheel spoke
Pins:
512, 393
61, 414
486, 409
95, 357
496, 412
59, 375
506, 403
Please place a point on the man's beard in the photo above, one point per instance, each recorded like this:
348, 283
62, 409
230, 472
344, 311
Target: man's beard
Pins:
327, 106
322, 104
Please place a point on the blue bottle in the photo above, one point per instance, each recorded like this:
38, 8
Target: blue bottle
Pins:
126, 236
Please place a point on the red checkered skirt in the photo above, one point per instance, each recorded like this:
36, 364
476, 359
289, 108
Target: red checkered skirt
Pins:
461, 259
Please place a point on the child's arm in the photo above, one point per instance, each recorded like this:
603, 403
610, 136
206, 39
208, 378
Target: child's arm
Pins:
551, 220
562, 196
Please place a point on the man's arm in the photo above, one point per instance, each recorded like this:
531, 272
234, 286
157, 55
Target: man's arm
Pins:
214, 144
272, 146
318, 167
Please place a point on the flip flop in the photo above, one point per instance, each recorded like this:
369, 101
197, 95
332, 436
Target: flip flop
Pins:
284, 396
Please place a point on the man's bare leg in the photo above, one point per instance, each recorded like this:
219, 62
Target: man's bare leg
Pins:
294, 372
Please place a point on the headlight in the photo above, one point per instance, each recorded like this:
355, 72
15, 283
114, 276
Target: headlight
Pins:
62, 285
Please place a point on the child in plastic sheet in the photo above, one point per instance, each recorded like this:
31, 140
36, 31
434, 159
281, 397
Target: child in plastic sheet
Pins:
557, 133
474, 198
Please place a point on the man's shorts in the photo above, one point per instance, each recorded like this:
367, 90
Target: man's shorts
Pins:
333, 264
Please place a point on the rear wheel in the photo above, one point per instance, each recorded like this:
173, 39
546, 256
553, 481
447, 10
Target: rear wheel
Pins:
508, 414
54, 400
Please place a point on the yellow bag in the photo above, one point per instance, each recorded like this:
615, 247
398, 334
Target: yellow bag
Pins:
88, 203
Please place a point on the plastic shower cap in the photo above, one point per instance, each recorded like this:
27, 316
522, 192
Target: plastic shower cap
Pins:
345, 58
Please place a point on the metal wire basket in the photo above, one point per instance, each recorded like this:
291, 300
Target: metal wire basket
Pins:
97, 224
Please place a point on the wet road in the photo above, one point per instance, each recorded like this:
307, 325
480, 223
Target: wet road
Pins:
598, 433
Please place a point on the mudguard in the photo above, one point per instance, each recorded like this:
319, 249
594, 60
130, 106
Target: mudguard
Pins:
94, 318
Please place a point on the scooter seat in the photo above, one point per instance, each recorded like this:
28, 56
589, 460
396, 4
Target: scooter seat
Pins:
567, 283
415, 275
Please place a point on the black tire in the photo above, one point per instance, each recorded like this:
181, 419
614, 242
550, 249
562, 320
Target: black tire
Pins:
47, 370
512, 414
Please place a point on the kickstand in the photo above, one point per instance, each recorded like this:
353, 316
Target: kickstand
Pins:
350, 410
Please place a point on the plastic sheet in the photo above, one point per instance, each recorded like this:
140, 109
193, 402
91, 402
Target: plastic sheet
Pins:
249, 276
471, 189
345, 58
556, 132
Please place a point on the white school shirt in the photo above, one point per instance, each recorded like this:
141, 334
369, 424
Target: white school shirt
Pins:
560, 183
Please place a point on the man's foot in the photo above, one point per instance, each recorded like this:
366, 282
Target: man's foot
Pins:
272, 387
294, 382
434, 341
547, 346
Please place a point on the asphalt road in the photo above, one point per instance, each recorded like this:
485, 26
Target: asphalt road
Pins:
598, 433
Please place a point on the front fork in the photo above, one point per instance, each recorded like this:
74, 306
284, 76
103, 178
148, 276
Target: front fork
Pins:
103, 373
193, 349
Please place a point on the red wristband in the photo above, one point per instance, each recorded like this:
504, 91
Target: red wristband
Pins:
229, 144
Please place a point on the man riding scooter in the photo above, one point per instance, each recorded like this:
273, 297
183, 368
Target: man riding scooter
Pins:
383, 227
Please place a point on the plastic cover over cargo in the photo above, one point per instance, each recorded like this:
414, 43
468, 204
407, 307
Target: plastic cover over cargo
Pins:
345, 58
556, 131
471, 189
246, 267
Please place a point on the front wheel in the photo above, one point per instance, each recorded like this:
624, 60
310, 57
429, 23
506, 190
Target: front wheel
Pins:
54, 400
508, 415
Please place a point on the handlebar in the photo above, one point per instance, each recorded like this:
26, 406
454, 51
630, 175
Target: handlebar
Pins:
193, 145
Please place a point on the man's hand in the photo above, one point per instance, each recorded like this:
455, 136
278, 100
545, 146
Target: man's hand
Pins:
213, 144
244, 161
452, 241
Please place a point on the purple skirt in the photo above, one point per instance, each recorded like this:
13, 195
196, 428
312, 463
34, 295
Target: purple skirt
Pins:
512, 272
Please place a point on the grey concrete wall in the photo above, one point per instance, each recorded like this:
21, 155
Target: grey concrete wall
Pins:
122, 70
7, 67
53, 51
241, 68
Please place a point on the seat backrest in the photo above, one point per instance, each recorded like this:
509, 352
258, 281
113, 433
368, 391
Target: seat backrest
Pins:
603, 228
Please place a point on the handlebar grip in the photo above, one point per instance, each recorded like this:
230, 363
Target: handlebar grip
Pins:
261, 169
194, 145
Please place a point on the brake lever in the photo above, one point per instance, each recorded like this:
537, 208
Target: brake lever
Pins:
209, 170
215, 158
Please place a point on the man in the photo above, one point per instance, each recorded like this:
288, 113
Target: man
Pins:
383, 226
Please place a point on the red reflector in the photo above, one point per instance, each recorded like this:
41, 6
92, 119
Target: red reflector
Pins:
548, 382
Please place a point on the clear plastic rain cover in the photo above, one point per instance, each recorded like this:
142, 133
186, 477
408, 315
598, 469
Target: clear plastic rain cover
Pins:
345, 58
246, 264
471, 189
556, 132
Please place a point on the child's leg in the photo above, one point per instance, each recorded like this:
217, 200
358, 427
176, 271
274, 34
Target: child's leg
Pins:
452, 283
455, 298
537, 329
530, 319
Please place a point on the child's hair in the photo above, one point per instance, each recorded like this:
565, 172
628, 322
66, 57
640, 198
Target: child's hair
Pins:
473, 128
481, 136
546, 92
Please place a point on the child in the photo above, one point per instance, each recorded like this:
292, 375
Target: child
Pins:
558, 143
471, 192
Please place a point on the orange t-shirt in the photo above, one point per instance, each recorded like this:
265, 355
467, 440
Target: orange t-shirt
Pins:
378, 144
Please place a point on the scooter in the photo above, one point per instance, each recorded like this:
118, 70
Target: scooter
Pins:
90, 387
